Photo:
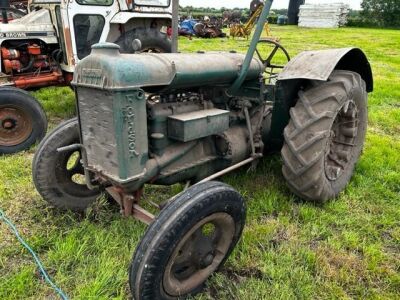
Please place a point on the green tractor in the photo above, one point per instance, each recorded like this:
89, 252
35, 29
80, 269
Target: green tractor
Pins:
174, 118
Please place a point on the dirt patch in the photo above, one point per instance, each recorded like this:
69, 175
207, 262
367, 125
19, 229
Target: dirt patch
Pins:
344, 267
280, 236
240, 275
227, 289
315, 242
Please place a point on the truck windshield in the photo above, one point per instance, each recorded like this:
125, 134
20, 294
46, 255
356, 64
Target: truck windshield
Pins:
160, 3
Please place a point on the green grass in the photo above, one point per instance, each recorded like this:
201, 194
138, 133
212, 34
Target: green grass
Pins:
348, 248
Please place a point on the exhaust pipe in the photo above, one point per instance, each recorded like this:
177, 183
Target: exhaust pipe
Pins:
4, 5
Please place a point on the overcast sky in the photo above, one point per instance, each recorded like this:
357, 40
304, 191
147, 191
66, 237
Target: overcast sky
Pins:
354, 4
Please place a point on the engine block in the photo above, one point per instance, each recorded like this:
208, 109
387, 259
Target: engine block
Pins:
162, 118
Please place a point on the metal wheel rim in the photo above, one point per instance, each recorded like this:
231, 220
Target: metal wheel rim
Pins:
342, 141
222, 237
16, 125
65, 170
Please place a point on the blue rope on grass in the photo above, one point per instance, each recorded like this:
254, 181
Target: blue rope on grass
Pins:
35, 257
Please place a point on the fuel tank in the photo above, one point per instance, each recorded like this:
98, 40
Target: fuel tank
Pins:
107, 68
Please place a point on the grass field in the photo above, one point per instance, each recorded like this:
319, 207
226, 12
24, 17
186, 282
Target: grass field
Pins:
349, 248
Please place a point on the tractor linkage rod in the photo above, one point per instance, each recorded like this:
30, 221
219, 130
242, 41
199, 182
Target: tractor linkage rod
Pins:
232, 168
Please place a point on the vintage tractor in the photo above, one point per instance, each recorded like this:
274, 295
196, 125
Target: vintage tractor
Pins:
41, 49
191, 118
245, 30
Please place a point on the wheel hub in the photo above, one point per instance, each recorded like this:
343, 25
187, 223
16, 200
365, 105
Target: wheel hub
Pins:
198, 254
15, 126
8, 124
206, 261
342, 141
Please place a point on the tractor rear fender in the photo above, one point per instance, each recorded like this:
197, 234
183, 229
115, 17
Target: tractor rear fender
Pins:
311, 65
318, 65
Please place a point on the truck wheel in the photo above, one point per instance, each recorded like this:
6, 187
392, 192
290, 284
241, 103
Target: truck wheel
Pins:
22, 120
152, 41
325, 136
190, 239
59, 176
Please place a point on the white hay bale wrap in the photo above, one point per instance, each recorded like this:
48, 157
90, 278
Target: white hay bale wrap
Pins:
323, 15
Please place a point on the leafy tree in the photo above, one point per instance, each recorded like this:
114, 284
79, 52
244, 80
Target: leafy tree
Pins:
381, 12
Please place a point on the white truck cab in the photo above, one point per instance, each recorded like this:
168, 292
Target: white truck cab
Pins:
73, 26
42, 48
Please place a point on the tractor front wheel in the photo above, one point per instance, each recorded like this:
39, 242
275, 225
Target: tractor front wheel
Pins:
59, 176
325, 136
22, 120
190, 239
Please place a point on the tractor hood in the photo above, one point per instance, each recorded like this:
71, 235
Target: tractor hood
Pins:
35, 25
107, 68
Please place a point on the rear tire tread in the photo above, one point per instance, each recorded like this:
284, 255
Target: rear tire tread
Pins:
311, 127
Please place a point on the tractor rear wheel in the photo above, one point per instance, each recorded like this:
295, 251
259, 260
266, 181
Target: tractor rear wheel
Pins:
152, 40
59, 176
325, 136
190, 239
22, 120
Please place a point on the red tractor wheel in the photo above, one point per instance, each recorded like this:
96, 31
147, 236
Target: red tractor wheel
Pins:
22, 120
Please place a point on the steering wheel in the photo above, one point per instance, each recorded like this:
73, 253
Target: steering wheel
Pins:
269, 66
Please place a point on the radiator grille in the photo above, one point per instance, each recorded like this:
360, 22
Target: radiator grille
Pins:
114, 132
97, 127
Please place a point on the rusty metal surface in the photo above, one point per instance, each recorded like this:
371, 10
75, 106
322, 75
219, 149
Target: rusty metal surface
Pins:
142, 215
198, 253
129, 204
68, 46
15, 125
314, 65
